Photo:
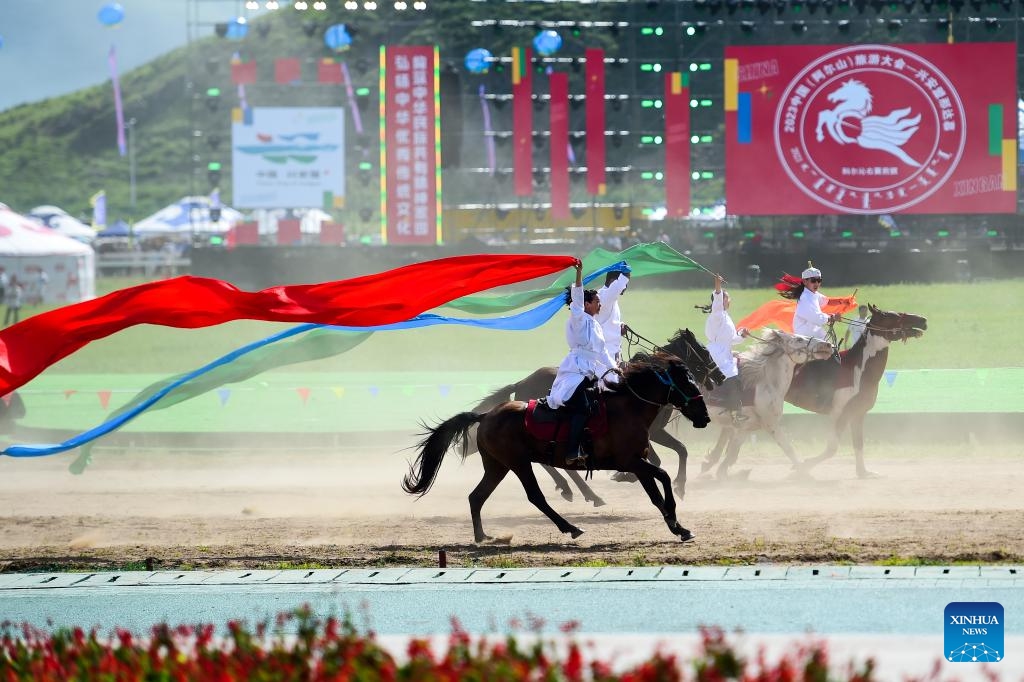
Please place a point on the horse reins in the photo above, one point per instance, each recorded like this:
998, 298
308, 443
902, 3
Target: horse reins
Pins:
632, 338
666, 379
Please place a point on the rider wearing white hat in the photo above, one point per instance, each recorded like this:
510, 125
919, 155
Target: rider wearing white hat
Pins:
808, 319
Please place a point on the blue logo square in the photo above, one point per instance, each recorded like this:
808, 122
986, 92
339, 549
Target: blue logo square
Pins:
974, 632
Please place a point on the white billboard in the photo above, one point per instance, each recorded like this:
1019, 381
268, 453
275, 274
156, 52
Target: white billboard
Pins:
288, 157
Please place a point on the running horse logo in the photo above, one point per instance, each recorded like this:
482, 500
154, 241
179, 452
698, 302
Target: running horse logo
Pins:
851, 115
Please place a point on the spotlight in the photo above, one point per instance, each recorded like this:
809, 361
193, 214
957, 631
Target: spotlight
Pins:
401, 5
366, 213
419, 5
895, 25
991, 24
578, 211
252, 5
309, 28
748, 26
301, 5
843, 25
320, 5
370, 5
351, 5
272, 4
799, 26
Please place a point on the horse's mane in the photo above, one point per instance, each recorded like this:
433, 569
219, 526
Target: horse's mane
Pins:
677, 344
642, 366
756, 359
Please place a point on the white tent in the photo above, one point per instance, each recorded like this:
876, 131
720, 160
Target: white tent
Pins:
187, 216
309, 219
28, 249
58, 220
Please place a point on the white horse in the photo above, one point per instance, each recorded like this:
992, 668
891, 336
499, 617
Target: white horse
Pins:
767, 369
885, 133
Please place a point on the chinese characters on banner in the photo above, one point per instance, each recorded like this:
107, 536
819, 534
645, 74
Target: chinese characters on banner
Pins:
871, 129
409, 131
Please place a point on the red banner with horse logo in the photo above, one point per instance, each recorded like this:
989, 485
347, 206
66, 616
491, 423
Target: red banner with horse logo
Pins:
871, 129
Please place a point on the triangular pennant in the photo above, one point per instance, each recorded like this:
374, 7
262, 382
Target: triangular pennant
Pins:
7, 400
890, 377
223, 394
374, 391
444, 389
104, 398
338, 391
304, 394
68, 392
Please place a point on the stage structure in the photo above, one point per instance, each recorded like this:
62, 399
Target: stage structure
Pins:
650, 117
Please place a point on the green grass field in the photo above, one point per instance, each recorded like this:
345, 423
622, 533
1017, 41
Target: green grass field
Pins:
398, 378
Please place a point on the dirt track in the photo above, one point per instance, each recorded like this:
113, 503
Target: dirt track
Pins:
345, 508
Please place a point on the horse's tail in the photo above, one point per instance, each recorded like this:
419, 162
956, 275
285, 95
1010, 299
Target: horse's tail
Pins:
433, 448
496, 398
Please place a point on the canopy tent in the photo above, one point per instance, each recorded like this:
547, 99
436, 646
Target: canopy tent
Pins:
27, 249
118, 229
309, 219
187, 216
58, 220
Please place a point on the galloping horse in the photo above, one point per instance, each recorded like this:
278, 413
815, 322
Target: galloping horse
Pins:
846, 390
684, 345
506, 445
766, 371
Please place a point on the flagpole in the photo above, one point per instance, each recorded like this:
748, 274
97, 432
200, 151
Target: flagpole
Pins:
131, 169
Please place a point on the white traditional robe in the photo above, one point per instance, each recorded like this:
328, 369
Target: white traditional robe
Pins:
808, 319
610, 317
588, 356
722, 336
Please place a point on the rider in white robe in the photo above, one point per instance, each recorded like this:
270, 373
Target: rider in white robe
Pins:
722, 336
809, 320
587, 359
610, 316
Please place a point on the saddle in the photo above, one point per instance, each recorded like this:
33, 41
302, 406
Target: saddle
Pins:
548, 424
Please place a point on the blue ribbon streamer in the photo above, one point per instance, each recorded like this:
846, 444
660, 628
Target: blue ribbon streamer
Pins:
526, 320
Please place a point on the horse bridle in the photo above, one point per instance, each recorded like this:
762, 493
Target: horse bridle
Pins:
693, 356
665, 377
778, 344
900, 332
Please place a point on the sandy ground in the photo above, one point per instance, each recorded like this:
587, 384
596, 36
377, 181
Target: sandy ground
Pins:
344, 507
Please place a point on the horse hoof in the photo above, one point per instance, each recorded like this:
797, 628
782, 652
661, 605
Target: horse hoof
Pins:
685, 535
680, 492
575, 532
624, 477
596, 501
503, 540
566, 494
705, 467
865, 474
742, 475
78, 466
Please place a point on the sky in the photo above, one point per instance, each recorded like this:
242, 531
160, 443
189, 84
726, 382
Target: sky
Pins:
53, 47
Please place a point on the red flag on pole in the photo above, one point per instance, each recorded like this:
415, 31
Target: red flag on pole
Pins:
243, 73
558, 84
329, 71
596, 181
522, 121
677, 144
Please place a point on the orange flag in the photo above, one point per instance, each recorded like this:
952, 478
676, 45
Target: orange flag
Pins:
779, 313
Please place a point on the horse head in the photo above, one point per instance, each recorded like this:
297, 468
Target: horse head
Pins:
852, 95
663, 379
895, 326
800, 348
695, 356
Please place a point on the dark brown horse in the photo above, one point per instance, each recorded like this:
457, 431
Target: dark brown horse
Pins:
505, 444
683, 345
844, 390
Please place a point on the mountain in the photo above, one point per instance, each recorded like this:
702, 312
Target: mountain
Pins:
54, 47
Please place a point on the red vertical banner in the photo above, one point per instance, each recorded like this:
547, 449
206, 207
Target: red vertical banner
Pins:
677, 144
558, 88
596, 181
409, 130
522, 121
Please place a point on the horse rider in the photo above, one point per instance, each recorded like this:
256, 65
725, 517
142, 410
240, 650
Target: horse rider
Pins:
808, 320
610, 316
586, 363
722, 336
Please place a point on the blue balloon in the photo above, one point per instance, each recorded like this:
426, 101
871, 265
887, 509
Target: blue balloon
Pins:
547, 43
111, 14
337, 38
478, 60
237, 28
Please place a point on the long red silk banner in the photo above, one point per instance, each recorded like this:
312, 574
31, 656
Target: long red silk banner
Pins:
29, 347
